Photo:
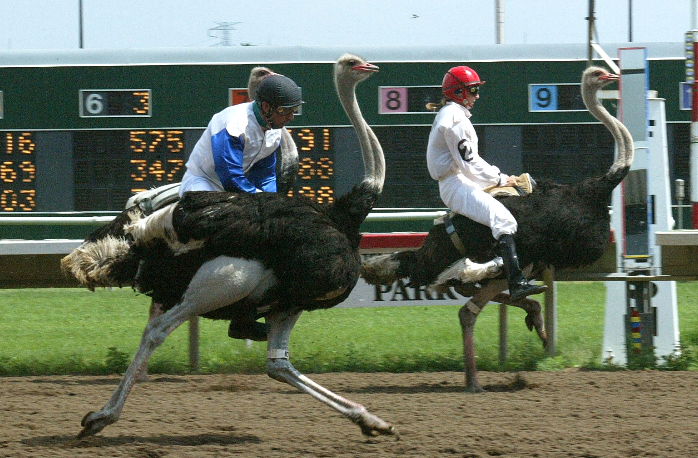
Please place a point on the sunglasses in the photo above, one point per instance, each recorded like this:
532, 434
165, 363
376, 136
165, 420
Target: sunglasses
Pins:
474, 90
287, 111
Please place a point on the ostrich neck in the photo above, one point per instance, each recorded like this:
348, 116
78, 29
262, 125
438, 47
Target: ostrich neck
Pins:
620, 133
371, 151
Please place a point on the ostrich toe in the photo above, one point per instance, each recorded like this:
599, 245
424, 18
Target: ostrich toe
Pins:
93, 423
373, 426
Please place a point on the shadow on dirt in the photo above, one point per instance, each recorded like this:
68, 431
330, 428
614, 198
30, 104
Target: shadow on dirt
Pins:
65, 441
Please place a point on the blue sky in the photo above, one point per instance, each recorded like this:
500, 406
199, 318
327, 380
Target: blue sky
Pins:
53, 24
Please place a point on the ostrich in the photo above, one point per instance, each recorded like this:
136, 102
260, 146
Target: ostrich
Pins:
564, 226
287, 171
273, 255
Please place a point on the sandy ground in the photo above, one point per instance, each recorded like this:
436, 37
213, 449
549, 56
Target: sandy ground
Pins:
532, 414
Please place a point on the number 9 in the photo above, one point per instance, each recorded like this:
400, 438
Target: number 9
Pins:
543, 97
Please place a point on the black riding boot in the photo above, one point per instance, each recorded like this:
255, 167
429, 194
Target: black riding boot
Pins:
252, 330
244, 325
518, 284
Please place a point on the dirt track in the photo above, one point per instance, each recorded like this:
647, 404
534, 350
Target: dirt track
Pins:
533, 414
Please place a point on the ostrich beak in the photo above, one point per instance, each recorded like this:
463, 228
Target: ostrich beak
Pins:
366, 67
609, 77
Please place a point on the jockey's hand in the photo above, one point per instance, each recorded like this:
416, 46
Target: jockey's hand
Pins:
511, 181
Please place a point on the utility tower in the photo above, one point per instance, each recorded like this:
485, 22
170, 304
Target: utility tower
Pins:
223, 32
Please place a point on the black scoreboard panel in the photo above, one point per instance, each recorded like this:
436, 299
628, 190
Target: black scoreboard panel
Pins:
110, 166
407, 180
18, 171
98, 170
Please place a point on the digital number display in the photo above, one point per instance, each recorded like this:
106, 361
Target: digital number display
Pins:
98, 170
157, 158
555, 97
316, 165
111, 165
114, 103
407, 99
17, 172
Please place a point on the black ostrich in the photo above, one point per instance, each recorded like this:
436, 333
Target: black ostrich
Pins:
151, 200
564, 226
214, 253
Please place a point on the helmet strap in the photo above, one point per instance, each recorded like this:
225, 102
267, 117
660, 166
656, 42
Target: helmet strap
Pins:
264, 117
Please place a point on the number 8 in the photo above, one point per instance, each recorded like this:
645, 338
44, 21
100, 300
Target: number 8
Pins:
393, 101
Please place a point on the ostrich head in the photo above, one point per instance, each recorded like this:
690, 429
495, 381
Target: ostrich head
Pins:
350, 70
256, 76
594, 78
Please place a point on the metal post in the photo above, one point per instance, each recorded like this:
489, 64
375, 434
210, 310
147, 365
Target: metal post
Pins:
499, 21
690, 51
591, 19
503, 337
680, 194
550, 312
630, 21
80, 20
194, 344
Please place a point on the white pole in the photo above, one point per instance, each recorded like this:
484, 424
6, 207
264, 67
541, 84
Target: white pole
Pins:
499, 21
80, 22
503, 337
694, 121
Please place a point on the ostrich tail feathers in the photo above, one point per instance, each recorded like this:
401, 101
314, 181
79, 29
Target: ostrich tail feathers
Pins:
467, 271
108, 261
288, 163
380, 270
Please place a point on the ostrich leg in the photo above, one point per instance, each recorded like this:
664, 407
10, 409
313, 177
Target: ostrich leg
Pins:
154, 312
468, 316
280, 368
155, 333
218, 282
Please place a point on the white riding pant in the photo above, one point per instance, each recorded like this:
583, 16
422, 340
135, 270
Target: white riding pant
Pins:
466, 198
191, 182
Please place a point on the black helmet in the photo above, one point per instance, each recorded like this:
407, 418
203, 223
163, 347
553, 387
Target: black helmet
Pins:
279, 91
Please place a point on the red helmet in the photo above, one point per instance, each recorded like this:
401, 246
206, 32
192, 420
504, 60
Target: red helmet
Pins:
456, 80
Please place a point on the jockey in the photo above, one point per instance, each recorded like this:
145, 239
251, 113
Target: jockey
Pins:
453, 160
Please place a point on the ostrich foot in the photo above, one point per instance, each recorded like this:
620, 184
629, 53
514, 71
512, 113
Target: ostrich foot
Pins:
532, 321
534, 315
474, 387
371, 425
94, 422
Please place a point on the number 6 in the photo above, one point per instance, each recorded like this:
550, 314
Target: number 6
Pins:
94, 103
